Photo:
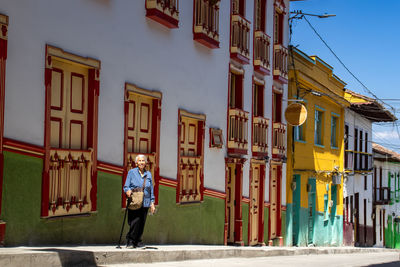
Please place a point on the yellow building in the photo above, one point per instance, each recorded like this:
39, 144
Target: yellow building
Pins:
315, 154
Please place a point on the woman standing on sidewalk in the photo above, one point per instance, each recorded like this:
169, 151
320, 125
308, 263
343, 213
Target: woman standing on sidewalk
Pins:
137, 218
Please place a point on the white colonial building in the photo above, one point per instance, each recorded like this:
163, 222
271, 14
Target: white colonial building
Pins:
198, 86
359, 203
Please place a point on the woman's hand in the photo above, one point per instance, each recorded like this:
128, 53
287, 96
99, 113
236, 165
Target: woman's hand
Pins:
152, 208
128, 193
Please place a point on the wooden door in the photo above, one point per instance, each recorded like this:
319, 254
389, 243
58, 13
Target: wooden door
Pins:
296, 196
356, 219
189, 130
311, 210
139, 124
274, 202
69, 106
230, 202
254, 203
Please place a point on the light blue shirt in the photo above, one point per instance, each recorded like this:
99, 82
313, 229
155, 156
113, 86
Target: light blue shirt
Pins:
135, 180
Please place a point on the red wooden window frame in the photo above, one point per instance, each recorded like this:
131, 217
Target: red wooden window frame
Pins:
238, 91
277, 106
241, 8
262, 19
92, 125
200, 152
210, 34
258, 108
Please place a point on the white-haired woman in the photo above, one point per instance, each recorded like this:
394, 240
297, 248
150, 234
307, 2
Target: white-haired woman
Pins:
137, 218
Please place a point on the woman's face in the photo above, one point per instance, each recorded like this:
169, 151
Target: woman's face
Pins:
141, 163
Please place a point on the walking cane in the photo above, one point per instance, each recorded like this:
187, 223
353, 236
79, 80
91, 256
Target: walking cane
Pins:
123, 222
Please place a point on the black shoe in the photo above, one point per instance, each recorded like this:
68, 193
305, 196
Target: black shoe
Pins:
139, 245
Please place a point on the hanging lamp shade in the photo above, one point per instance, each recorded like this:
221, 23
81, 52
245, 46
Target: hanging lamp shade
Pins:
296, 114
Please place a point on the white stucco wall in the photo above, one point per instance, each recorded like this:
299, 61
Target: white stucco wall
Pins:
354, 183
133, 49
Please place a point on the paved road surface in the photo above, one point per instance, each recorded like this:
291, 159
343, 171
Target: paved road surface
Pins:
386, 259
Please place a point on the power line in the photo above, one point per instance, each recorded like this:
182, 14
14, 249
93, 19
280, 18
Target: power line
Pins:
341, 62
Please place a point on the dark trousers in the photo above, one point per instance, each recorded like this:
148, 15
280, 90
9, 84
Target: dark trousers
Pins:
136, 221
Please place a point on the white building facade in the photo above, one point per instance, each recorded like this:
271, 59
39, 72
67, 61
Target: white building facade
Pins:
360, 177
198, 86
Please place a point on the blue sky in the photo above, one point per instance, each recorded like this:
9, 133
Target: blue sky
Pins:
365, 35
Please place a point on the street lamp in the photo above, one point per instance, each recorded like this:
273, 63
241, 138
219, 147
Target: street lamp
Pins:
298, 14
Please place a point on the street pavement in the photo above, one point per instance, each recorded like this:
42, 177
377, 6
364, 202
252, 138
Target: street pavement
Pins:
382, 259
174, 255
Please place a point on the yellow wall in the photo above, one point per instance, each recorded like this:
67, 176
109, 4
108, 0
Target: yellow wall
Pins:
306, 158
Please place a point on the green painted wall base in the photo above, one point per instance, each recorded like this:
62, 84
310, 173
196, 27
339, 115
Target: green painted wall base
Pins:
392, 234
326, 232
186, 224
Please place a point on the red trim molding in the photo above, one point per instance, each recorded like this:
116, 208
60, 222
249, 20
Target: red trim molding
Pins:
110, 168
246, 200
214, 193
168, 182
23, 148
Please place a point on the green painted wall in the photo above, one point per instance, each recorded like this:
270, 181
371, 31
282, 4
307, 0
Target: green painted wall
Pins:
283, 224
289, 225
186, 224
392, 234
328, 232
198, 223
302, 239
266, 220
245, 219
22, 201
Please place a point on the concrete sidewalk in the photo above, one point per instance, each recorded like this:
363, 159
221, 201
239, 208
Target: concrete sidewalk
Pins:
103, 255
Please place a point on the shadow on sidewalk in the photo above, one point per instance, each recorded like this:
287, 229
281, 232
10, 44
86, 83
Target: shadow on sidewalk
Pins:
71, 257
387, 264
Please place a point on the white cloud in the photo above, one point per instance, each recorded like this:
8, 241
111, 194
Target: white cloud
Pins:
386, 135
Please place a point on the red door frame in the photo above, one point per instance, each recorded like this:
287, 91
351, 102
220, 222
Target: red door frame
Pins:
238, 227
278, 200
260, 205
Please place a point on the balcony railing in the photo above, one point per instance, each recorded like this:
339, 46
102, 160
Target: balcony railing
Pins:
260, 135
150, 165
279, 146
240, 39
189, 187
238, 131
382, 195
362, 161
70, 181
349, 160
262, 58
206, 23
165, 12
280, 63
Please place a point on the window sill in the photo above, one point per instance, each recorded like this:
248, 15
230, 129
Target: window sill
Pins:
300, 141
320, 146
